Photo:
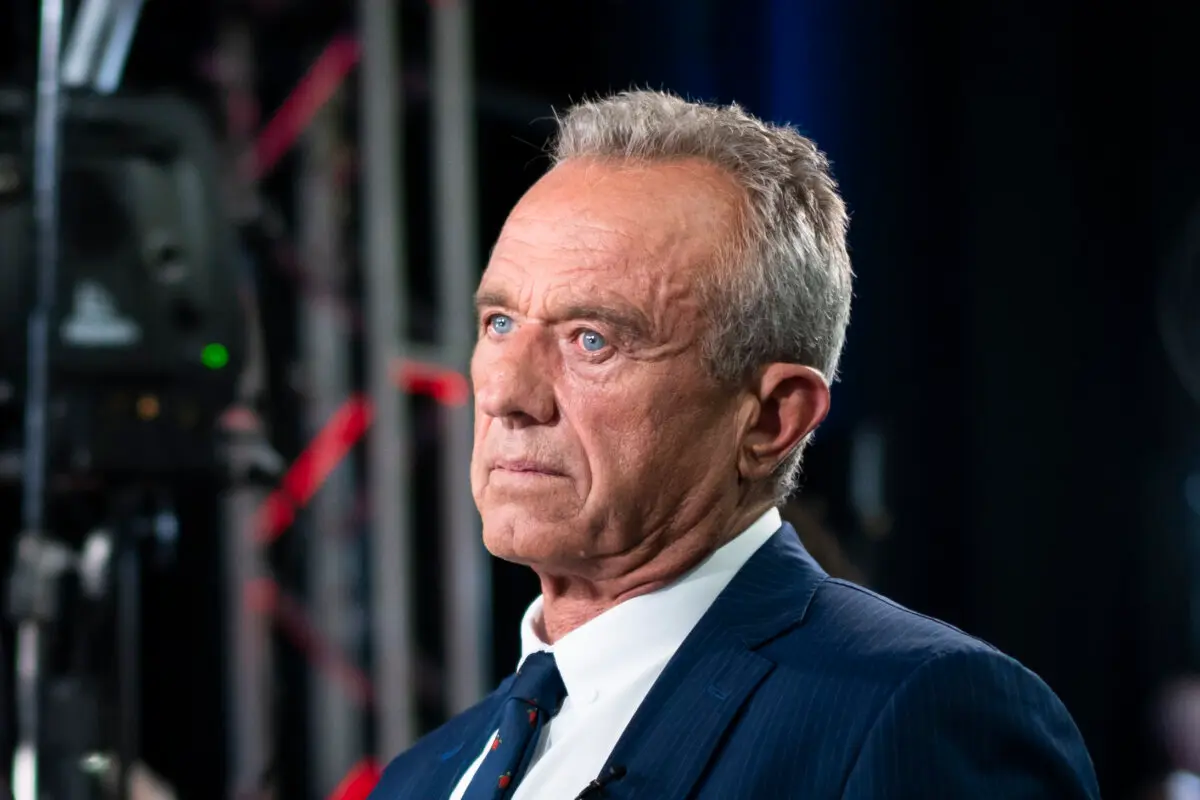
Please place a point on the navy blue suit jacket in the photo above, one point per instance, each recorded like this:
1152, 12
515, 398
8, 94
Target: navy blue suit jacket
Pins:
799, 685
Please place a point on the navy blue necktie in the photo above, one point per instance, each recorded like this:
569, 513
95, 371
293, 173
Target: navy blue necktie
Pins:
536, 694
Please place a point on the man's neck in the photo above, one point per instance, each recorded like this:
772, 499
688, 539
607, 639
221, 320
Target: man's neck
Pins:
570, 601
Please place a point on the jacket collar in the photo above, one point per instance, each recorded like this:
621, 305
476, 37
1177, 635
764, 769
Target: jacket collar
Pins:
706, 682
714, 672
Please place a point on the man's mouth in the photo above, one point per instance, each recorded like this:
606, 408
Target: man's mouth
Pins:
526, 467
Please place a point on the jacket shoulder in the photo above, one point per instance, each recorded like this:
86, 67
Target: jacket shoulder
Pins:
857, 653
864, 648
857, 623
861, 643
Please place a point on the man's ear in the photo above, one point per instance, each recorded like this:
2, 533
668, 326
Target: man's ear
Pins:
784, 405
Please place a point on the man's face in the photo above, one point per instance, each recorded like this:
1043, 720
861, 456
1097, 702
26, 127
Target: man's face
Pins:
598, 430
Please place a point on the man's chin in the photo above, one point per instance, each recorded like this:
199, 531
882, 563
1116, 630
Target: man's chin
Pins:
539, 546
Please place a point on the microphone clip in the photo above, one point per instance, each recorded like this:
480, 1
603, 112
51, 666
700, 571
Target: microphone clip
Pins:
613, 774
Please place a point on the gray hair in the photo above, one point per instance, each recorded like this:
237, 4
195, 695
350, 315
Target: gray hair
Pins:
791, 301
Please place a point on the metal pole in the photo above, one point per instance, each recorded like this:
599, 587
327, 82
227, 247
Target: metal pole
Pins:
388, 447
83, 46
250, 698
335, 726
46, 170
129, 643
466, 576
112, 61
248, 633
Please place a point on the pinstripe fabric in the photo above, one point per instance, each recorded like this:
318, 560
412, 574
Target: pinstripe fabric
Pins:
796, 685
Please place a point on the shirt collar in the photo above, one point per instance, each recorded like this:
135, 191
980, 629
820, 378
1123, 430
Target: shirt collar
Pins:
643, 632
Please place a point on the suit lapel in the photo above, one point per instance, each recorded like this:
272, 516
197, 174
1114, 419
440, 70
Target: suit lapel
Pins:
435, 766
452, 762
673, 735
679, 725
458, 754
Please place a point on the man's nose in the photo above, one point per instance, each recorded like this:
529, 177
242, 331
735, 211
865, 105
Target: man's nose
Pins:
514, 378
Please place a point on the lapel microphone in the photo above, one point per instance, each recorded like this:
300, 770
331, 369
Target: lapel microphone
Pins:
596, 787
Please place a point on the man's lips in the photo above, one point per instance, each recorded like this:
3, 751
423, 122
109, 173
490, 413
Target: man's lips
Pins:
526, 466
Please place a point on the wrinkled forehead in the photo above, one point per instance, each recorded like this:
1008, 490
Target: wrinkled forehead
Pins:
645, 235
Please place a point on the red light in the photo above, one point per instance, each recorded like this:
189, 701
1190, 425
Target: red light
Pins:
327, 73
312, 468
359, 782
339, 436
446, 386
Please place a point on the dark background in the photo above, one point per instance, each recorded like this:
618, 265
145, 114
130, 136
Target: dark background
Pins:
1018, 175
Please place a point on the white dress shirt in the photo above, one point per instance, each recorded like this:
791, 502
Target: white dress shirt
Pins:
608, 665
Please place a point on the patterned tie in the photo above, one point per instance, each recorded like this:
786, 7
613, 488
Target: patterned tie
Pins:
536, 694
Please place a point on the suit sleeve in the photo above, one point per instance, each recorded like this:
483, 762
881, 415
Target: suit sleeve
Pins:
973, 724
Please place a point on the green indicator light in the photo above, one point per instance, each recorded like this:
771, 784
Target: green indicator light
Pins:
214, 356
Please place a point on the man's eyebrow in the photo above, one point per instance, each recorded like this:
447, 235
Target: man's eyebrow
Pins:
626, 320
486, 298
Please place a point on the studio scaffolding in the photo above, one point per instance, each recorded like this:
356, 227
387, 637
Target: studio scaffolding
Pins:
121, 342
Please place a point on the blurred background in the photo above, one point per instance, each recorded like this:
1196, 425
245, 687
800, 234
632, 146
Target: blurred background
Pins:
271, 221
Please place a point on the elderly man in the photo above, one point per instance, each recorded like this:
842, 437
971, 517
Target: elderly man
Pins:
658, 327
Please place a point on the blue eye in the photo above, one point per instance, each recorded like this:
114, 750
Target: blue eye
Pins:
500, 323
592, 341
